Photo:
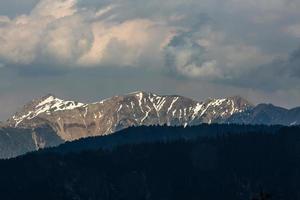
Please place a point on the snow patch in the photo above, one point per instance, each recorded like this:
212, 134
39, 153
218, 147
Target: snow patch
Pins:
196, 110
174, 100
48, 106
146, 115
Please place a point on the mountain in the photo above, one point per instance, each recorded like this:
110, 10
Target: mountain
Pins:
267, 114
73, 120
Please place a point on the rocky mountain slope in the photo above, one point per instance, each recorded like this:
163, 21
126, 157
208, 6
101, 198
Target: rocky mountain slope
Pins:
73, 120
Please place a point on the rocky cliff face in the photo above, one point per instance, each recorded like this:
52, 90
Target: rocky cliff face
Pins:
73, 120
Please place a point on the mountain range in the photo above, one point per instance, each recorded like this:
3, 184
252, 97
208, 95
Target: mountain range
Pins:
71, 120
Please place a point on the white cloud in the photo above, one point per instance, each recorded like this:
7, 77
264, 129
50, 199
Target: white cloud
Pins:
173, 34
58, 32
124, 43
105, 10
207, 70
66, 40
19, 39
55, 8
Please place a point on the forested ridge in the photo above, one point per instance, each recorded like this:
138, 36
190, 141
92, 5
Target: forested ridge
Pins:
203, 162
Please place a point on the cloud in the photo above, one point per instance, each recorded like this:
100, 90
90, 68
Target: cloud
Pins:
59, 32
293, 30
48, 33
290, 66
56, 9
201, 40
278, 75
131, 42
4, 19
205, 54
185, 56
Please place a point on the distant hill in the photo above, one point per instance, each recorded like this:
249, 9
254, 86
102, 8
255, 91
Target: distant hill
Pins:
258, 161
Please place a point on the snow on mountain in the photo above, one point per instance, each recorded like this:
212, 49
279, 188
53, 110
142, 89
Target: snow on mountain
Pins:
73, 120
50, 121
47, 105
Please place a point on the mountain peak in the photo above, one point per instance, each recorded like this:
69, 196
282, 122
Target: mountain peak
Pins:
44, 105
48, 95
269, 106
141, 92
43, 98
56, 103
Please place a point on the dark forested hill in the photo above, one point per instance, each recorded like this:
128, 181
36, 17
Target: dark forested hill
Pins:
238, 162
151, 134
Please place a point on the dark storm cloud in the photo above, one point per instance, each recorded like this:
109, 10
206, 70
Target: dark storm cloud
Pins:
293, 64
279, 74
285, 69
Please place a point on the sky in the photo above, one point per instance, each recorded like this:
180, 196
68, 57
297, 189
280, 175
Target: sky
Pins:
87, 50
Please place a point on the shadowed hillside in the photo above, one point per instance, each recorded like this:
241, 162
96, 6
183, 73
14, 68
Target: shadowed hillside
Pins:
238, 162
